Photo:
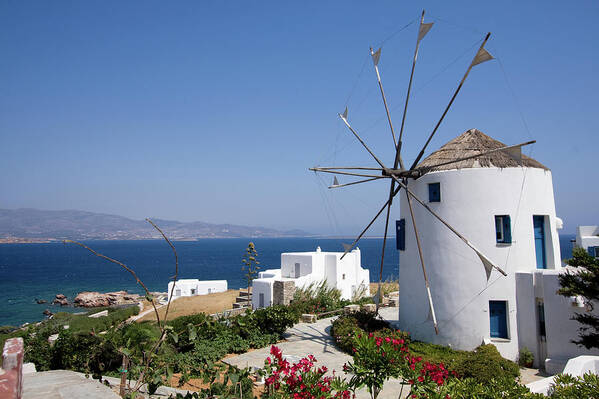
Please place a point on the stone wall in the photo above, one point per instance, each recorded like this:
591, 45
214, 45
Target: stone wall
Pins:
11, 373
282, 292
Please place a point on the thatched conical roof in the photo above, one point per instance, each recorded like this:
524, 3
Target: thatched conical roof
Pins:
474, 142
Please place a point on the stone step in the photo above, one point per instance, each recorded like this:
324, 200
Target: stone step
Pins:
64, 384
243, 299
245, 293
240, 306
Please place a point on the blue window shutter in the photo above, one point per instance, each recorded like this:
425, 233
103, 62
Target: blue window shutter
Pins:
400, 236
591, 251
507, 229
434, 192
498, 319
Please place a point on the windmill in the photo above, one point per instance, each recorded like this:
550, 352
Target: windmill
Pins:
400, 176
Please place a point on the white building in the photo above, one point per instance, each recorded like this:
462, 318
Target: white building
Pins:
305, 268
192, 287
505, 206
587, 237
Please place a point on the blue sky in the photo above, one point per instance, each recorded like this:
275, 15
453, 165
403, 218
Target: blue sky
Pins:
214, 110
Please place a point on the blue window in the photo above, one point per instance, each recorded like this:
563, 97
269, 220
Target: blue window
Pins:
498, 319
593, 251
434, 192
538, 222
400, 234
503, 229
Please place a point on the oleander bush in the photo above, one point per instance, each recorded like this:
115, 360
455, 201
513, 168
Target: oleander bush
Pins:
346, 326
482, 364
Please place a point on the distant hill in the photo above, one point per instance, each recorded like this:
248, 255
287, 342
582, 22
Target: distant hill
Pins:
80, 225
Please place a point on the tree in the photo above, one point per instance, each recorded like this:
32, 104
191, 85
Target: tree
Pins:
584, 282
250, 264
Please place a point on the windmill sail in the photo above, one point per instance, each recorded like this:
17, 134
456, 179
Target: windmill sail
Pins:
424, 28
335, 181
482, 56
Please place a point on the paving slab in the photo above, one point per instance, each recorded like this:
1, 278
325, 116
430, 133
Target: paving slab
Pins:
64, 384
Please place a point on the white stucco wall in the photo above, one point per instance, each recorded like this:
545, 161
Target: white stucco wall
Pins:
262, 286
344, 274
470, 199
560, 329
201, 287
587, 236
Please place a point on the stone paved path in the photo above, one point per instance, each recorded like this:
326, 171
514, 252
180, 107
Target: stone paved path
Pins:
64, 384
315, 339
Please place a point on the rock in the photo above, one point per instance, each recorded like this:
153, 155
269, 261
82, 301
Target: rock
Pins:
351, 309
60, 296
52, 338
60, 301
88, 299
308, 318
47, 312
28, 368
40, 301
369, 307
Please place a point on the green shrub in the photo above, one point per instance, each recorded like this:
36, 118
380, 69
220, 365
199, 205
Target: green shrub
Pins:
525, 357
343, 331
485, 363
346, 326
568, 387
316, 298
496, 388
84, 352
274, 320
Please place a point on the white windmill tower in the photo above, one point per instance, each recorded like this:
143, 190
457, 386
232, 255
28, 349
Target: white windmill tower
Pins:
401, 178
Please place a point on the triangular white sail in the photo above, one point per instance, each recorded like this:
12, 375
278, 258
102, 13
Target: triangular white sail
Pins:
376, 57
424, 28
515, 153
482, 56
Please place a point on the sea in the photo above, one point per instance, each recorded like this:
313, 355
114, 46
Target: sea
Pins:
40, 271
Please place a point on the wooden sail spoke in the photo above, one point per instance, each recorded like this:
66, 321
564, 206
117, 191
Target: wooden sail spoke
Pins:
477, 60
337, 185
484, 259
339, 172
351, 246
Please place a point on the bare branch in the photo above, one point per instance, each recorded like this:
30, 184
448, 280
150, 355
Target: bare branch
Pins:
123, 266
168, 304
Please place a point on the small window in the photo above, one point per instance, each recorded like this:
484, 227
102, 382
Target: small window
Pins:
177, 292
593, 251
343, 276
193, 291
434, 192
400, 234
498, 319
503, 229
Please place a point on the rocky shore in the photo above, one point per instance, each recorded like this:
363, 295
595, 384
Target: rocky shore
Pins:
96, 299
93, 299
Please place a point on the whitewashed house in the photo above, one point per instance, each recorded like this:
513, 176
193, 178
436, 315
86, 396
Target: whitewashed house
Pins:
505, 206
587, 237
305, 268
192, 287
